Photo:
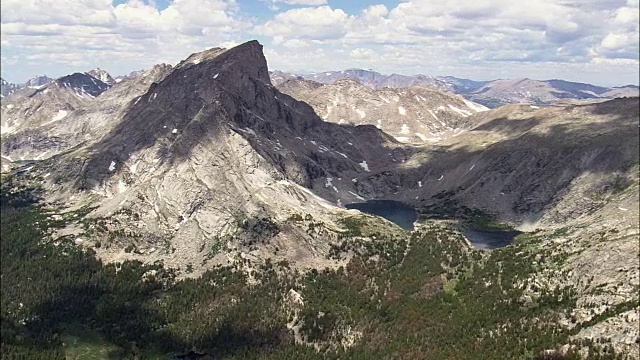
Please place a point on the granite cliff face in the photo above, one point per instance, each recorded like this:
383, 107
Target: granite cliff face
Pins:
208, 163
209, 149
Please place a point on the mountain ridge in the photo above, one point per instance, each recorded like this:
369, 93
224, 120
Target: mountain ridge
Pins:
491, 93
208, 164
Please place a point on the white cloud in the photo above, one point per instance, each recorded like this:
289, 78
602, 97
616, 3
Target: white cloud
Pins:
62, 12
65, 34
315, 23
301, 2
362, 53
498, 38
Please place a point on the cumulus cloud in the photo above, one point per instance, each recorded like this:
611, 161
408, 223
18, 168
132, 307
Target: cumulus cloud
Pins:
429, 36
67, 33
312, 23
301, 2
61, 12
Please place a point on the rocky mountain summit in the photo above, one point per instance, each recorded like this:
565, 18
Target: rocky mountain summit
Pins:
207, 163
102, 75
412, 114
38, 81
83, 84
488, 93
209, 143
7, 88
31, 119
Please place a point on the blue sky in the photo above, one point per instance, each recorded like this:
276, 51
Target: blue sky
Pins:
592, 41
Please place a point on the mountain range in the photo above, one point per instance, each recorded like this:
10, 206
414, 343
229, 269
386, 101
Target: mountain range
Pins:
488, 93
233, 179
412, 114
7, 88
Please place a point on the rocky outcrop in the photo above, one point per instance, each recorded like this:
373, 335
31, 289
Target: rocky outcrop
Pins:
212, 156
40, 123
409, 114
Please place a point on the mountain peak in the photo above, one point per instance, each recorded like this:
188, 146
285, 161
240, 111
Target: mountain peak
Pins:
101, 75
38, 81
83, 84
245, 60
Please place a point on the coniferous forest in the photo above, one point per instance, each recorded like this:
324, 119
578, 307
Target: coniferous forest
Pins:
422, 295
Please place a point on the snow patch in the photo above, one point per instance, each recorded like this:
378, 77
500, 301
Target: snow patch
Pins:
174, 131
59, 116
10, 106
112, 166
534, 107
216, 76
364, 165
402, 138
421, 136
402, 111
404, 129
329, 184
433, 114
419, 183
464, 113
361, 113
441, 177
357, 196
471, 168
122, 187
476, 107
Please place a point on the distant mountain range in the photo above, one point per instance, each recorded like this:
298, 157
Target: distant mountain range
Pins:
489, 93
7, 88
93, 83
410, 114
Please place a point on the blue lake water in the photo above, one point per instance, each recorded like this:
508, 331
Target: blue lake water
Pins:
489, 239
399, 213
404, 216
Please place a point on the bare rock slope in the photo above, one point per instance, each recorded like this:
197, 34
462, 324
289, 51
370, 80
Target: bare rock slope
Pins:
409, 114
212, 157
